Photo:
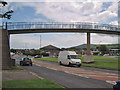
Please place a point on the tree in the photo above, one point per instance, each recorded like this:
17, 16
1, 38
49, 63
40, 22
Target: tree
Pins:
13, 50
6, 14
103, 49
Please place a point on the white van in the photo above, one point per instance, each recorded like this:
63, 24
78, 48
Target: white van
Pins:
69, 58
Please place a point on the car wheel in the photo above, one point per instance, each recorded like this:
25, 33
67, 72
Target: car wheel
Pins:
69, 64
79, 65
20, 63
60, 63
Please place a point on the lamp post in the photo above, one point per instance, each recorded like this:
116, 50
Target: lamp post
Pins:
100, 42
40, 41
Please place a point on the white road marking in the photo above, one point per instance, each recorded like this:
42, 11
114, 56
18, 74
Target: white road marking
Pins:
111, 82
36, 75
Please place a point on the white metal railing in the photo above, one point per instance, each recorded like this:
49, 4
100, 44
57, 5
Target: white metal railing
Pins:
59, 25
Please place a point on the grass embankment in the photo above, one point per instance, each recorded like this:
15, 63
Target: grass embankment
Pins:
33, 83
102, 63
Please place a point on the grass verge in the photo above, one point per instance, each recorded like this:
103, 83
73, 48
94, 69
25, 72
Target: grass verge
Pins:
33, 83
105, 58
97, 64
48, 59
103, 64
17, 68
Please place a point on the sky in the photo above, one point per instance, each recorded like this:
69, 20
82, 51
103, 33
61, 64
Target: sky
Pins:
62, 11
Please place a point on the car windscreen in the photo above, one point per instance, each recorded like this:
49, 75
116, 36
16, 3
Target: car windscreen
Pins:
27, 59
74, 57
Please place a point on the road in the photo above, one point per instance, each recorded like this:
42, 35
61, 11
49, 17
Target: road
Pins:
72, 77
67, 80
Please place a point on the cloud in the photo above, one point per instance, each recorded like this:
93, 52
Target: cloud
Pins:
72, 11
66, 12
114, 22
105, 39
62, 0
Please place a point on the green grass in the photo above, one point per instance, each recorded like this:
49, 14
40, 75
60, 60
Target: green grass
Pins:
48, 59
105, 58
102, 63
17, 68
33, 83
98, 64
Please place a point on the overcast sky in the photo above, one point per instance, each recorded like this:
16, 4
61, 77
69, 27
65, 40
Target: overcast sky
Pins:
72, 11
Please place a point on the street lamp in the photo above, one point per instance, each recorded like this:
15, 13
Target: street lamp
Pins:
39, 40
3, 2
6, 14
100, 42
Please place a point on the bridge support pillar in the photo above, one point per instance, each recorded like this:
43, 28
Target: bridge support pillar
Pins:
5, 50
88, 58
88, 43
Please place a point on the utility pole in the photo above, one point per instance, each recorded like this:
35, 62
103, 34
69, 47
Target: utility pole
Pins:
40, 41
40, 45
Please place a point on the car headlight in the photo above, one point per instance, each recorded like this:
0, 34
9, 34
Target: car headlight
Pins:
72, 61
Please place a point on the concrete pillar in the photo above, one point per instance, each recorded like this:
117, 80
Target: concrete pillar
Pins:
0, 58
0, 47
88, 43
88, 58
6, 61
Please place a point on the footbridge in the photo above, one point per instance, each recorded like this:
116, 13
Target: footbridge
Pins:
9, 28
57, 27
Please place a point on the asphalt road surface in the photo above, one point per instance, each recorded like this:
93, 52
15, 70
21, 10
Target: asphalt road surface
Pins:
68, 80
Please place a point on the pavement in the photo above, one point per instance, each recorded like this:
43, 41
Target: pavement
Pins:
18, 75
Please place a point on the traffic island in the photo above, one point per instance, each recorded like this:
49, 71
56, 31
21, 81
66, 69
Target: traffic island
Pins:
88, 59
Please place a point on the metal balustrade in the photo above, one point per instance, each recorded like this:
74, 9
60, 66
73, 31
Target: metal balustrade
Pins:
59, 25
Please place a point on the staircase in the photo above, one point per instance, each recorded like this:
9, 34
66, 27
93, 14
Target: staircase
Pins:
5, 61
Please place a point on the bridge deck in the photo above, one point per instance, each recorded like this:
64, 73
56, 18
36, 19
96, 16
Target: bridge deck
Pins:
19, 31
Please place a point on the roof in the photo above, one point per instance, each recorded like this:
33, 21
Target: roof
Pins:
114, 49
50, 47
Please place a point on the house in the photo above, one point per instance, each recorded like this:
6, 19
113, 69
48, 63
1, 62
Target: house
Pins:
51, 50
114, 52
95, 52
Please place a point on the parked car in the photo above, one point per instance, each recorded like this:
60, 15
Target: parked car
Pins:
69, 58
106, 55
117, 85
26, 61
37, 56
